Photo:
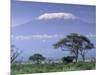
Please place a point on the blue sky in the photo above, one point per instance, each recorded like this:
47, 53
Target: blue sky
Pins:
37, 26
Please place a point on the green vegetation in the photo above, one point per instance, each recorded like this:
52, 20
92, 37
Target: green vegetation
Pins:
53, 67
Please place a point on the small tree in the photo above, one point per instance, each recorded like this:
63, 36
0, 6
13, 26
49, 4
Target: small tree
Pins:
15, 52
37, 58
84, 50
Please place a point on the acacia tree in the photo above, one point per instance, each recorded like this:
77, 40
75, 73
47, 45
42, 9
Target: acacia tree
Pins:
15, 52
37, 58
85, 46
75, 44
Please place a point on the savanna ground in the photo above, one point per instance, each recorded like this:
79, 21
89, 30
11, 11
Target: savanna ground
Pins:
54, 67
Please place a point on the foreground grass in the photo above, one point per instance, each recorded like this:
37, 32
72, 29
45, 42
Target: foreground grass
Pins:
54, 67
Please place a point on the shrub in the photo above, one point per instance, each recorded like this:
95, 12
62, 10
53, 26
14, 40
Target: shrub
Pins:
68, 59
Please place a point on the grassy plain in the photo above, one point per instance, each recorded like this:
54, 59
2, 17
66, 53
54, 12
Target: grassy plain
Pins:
48, 67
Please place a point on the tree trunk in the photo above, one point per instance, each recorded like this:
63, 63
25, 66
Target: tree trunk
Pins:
83, 57
76, 56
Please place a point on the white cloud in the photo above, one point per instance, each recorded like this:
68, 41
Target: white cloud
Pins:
91, 35
44, 37
59, 15
37, 37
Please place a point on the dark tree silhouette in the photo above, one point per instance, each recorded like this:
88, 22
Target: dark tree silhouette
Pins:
37, 58
15, 52
76, 44
68, 59
85, 47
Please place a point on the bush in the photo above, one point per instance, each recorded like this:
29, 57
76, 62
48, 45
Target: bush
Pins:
68, 59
